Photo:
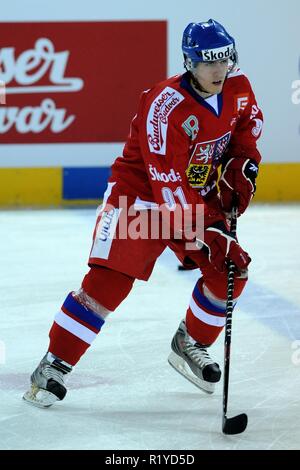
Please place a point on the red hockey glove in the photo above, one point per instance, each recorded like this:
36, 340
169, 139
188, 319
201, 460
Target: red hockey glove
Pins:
221, 246
238, 176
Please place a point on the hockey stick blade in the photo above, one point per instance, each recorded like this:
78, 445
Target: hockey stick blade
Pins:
235, 425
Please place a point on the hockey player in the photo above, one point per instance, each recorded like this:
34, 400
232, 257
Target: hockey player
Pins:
186, 128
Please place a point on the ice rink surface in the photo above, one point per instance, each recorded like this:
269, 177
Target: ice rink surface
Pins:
123, 394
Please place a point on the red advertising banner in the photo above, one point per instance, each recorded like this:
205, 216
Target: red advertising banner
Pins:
76, 81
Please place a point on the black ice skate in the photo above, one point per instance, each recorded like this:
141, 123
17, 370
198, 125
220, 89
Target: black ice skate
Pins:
48, 382
192, 361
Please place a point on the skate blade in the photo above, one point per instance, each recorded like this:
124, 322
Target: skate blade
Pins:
39, 397
182, 367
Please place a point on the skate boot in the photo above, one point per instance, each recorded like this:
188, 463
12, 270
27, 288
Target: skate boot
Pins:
192, 360
48, 382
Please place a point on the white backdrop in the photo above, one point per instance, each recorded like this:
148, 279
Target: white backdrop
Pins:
268, 40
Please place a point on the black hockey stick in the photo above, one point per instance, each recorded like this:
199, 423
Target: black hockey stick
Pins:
238, 423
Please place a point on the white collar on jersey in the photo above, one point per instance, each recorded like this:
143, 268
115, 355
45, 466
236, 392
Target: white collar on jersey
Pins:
213, 102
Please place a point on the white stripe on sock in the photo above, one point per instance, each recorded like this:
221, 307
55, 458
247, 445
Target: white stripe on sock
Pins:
207, 318
74, 327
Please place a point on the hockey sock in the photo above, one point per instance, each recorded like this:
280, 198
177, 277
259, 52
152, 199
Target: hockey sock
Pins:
204, 319
108, 287
73, 330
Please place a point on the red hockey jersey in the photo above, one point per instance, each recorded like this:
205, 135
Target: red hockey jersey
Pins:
177, 139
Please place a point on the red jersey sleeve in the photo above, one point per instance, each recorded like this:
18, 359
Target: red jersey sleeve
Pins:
248, 129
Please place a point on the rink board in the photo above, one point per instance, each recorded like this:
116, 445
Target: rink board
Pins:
52, 186
277, 182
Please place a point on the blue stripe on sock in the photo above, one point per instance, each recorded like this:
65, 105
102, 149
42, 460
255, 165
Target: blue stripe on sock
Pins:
83, 313
202, 300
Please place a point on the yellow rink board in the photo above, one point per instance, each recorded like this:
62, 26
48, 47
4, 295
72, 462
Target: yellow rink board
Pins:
277, 182
30, 186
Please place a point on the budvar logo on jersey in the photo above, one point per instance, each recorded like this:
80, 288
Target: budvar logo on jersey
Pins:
220, 53
164, 177
157, 120
27, 70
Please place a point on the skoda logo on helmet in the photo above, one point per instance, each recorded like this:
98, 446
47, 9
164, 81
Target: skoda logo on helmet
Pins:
221, 53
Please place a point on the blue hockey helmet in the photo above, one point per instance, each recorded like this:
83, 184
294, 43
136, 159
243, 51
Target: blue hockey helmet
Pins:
207, 42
